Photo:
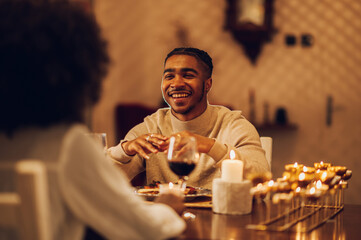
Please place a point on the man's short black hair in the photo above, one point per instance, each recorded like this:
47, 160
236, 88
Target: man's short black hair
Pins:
52, 62
195, 52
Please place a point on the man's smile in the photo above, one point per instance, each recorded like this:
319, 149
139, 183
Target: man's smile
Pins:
178, 94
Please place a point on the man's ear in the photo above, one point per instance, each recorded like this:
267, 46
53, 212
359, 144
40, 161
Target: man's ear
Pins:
208, 84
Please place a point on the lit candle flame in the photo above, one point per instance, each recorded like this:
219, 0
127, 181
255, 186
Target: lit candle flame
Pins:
318, 184
321, 163
295, 165
298, 189
313, 190
302, 176
232, 154
324, 176
271, 183
171, 185
305, 169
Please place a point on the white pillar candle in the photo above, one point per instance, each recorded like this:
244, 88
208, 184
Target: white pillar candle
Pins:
232, 170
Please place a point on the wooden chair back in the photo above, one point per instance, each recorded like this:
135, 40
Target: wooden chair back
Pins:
267, 143
27, 209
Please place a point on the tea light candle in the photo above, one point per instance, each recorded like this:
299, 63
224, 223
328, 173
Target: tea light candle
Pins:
232, 170
321, 186
283, 179
270, 184
321, 165
334, 181
298, 191
325, 176
308, 169
313, 194
281, 197
284, 187
342, 184
339, 170
347, 175
259, 191
171, 188
303, 180
293, 167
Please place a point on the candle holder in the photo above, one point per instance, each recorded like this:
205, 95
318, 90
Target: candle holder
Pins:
271, 190
323, 188
299, 201
340, 188
280, 199
305, 197
259, 192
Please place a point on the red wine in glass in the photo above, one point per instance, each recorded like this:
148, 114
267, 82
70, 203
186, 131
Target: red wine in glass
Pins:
181, 168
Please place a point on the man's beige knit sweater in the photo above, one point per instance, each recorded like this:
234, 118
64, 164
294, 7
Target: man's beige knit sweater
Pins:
230, 130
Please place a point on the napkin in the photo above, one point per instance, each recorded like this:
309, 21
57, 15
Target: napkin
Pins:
231, 197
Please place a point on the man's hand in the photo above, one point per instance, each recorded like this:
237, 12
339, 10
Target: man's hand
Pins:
204, 144
145, 144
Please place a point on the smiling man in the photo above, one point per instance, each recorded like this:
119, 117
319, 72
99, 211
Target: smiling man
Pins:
187, 79
185, 84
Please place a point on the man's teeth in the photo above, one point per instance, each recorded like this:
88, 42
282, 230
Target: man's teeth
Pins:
180, 95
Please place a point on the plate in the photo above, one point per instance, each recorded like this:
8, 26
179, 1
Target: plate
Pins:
150, 195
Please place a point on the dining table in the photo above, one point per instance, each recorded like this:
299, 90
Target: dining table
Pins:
344, 225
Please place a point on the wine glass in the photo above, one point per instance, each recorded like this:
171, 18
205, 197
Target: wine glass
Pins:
182, 156
182, 159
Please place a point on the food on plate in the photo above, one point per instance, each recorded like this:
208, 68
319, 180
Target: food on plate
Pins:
153, 188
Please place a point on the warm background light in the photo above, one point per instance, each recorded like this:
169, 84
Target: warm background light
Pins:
298, 78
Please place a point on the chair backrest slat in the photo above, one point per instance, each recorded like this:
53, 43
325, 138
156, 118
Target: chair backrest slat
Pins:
27, 209
9, 207
267, 143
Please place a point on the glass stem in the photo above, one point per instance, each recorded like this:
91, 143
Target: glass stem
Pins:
182, 182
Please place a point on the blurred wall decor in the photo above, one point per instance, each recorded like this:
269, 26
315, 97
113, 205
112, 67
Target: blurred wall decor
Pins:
251, 24
295, 77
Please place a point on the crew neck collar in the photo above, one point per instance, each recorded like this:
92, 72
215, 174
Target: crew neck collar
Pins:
200, 125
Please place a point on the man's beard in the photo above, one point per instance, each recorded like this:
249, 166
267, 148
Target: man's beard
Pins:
188, 110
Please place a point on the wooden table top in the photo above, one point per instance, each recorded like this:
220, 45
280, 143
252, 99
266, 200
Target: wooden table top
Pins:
208, 225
